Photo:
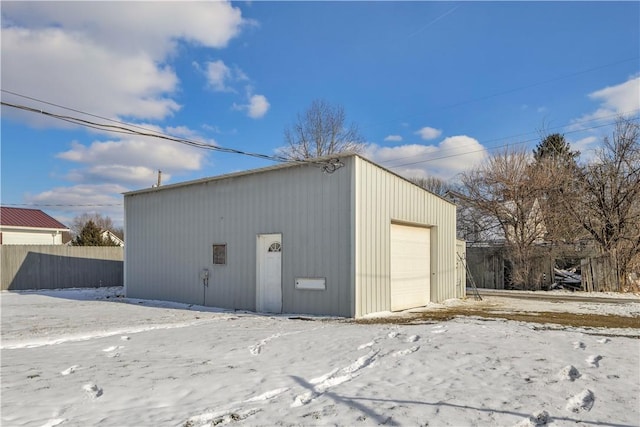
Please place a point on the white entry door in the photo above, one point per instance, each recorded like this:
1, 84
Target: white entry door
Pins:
269, 273
410, 272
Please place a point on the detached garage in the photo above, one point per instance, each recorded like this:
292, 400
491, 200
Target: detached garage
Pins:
293, 238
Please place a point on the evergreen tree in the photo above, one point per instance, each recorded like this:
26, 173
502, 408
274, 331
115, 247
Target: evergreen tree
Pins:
556, 165
91, 235
555, 147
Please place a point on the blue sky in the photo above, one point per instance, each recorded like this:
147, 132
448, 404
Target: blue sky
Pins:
434, 87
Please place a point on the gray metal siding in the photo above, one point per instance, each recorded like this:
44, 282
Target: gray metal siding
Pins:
170, 233
381, 198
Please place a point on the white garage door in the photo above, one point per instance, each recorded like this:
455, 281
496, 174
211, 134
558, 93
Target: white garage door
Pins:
409, 267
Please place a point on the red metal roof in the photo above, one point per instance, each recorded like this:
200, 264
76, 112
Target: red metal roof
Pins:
21, 217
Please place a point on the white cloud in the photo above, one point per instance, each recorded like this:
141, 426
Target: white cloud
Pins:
125, 26
256, 108
393, 138
620, 99
428, 133
451, 156
135, 160
131, 176
106, 199
104, 57
217, 74
584, 144
587, 147
220, 76
61, 67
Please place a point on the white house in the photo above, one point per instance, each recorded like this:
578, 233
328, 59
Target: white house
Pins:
20, 226
108, 234
293, 238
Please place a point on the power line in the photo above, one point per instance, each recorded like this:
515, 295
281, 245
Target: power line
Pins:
148, 133
328, 165
75, 110
505, 145
529, 133
125, 128
482, 98
529, 86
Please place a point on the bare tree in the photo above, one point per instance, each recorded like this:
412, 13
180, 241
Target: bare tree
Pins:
320, 131
433, 184
102, 222
607, 203
505, 190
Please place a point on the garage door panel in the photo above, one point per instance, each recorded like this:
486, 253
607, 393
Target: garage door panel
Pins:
410, 266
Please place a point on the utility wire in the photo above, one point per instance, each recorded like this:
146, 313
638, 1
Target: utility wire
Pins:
482, 98
147, 133
75, 110
328, 165
511, 137
517, 89
495, 146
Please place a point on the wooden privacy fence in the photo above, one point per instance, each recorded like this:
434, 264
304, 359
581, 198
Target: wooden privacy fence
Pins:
600, 274
55, 266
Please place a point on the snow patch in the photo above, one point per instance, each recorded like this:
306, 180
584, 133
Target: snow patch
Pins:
54, 422
406, 351
366, 345
70, 370
582, 401
360, 363
538, 419
207, 370
569, 372
412, 338
268, 395
92, 390
220, 417
334, 378
12, 345
594, 361
257, 348
579, 345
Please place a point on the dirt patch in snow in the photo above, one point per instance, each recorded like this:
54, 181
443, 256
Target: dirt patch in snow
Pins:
544, 317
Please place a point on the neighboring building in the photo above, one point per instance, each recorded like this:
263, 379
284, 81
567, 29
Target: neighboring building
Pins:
19, 226
108, 234
291, 238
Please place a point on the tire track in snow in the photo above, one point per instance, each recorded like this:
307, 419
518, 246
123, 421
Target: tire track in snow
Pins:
12, 345
256, 349
339, 376
235, 412
334, 378
220, 417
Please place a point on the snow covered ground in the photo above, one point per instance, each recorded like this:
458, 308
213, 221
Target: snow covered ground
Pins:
88, 357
